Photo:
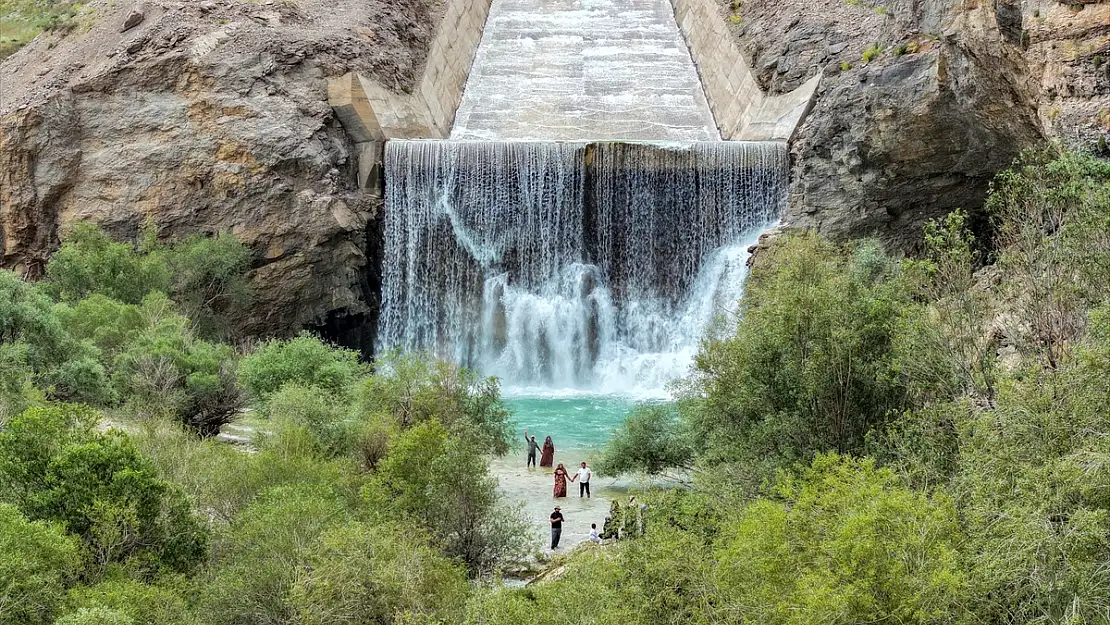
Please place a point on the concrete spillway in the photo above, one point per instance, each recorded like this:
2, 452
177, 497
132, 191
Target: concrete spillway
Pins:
586, 70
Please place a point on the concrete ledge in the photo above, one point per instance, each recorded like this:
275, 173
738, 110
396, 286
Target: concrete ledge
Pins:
371, 113
740, 108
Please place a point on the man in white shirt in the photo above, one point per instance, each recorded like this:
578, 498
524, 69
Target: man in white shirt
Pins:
583, 478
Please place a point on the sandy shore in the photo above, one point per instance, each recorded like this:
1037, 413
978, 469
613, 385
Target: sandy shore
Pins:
532, 488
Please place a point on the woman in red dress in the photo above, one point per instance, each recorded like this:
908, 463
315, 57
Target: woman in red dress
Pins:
560, 481
547, 456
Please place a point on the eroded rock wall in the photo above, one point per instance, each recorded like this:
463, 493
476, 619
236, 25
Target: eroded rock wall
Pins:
922, 100
206, 117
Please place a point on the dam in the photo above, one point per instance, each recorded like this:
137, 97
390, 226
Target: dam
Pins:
570, 194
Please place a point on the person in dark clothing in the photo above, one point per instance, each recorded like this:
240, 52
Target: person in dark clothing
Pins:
611, 528
533, 447
556, 527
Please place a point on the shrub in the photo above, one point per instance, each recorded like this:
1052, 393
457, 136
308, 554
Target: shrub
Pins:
263, 554
872, 53
166, 370
161, 603
423, 476
307, 421
208, 281
62, 366
56, 467
360, 573
816, 360
37, 561
650, 440
1052, 217
90, 262
844, 539
96, 616
304, 360
410, 389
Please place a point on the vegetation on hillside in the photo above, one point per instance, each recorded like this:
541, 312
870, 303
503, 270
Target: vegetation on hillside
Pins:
875, 441
22, 20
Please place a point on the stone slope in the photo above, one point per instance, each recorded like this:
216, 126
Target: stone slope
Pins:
209, 116
918, 130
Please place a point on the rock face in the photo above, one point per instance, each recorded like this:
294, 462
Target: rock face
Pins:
923, 100
207, 117
212, 116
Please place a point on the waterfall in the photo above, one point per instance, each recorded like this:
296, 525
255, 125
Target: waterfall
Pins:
572, 265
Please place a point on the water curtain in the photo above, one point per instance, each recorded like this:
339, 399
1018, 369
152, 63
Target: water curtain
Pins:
581, 265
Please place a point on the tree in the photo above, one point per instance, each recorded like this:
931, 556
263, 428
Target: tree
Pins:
209, 281
90, 262
66, 368
816, 360
443, 482
373, 574
843, 542
166, 370
410, 389
304, 360
1052, 217
37, 562
262, 555
156, 603
56, 467
650, 440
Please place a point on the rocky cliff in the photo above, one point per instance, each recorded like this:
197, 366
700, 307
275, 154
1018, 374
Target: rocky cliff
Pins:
212, 116
203, 117
924, 100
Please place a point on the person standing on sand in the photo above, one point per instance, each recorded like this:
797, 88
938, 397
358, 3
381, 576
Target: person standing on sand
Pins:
548, 456
556, 527
560, 481
583, 478
533, 446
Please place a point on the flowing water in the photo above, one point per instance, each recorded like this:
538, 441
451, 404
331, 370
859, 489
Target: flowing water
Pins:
594, 267
535, 247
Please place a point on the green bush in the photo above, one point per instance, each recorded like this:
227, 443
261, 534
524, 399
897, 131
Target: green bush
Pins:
64, 367
90, 262
304, 360
96, 616
161, 603
209, 281
263, 554
409, 389
205, 276
56, 467
1052, 218
108, 324
37, 561
816, 361
307, 421
359, 573
872, 53
443, 482
650, 440
166, 370
845, 542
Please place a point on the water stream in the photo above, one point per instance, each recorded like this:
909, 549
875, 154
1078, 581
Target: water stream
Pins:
594, 267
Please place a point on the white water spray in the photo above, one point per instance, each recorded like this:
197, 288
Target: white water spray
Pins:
588, 266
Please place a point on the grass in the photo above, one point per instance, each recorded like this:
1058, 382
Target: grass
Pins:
872, 53
22, 20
